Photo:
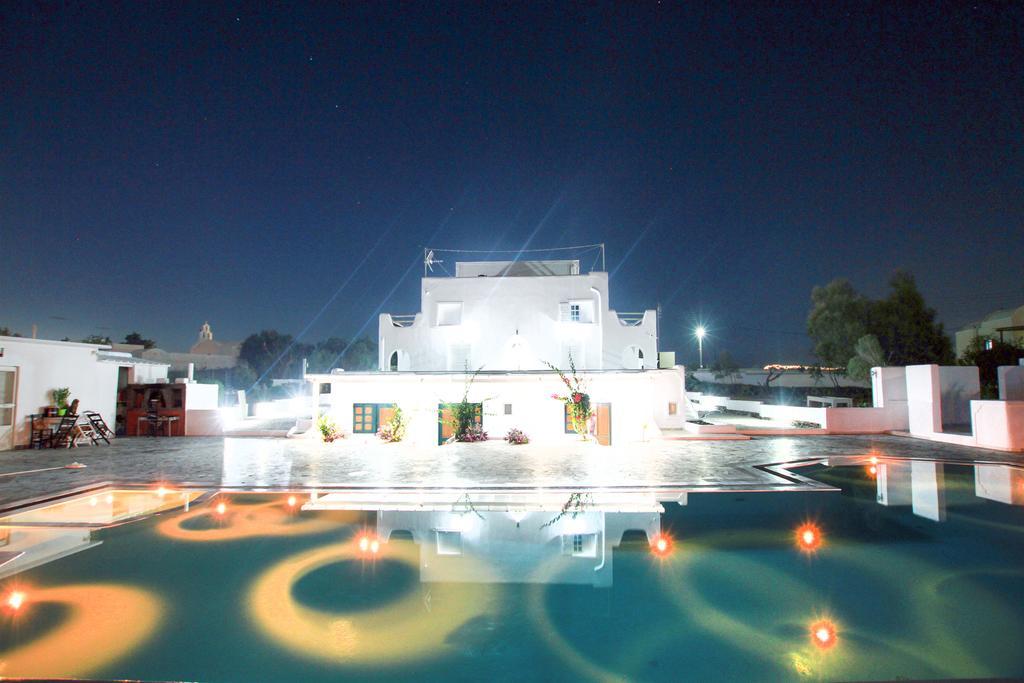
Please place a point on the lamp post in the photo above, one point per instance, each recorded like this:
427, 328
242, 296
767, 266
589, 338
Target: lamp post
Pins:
699, 333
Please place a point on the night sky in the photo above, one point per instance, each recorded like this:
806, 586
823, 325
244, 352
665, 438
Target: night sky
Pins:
166, 164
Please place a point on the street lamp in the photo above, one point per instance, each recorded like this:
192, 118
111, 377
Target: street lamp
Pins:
699, 333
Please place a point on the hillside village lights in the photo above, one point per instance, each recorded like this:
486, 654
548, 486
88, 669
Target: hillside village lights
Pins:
699, 333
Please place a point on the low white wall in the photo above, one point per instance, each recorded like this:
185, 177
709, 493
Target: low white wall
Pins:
790, 378
1011, 382
794, 414
998, 424
958, 386
924, 413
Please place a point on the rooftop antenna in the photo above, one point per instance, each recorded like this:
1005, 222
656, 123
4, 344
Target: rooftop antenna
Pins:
429, 261
603, 269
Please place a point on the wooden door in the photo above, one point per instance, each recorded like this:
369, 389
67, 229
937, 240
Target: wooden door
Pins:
604, 424
445, 428
8, 397
385, 412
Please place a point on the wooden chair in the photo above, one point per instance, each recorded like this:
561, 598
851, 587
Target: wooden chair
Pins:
66, 435
96, 427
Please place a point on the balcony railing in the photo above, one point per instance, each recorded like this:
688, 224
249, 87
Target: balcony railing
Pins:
403, 320
632, 319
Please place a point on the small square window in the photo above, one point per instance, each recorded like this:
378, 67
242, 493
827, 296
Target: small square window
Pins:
449, 543
574, 313
508, 408
673, 408
325, 388
449, 313
577, 544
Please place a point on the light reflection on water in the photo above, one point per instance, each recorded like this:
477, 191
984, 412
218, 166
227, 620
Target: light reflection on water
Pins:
916, 571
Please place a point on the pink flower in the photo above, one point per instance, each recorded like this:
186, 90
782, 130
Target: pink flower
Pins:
555, 396
577, 397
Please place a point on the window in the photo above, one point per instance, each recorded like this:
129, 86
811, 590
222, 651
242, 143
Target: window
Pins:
460, 357
325, 387
580, 311
988, 344
508, 408
449, 543
580, 545
449, 313
672, 408
393, 363
367, 417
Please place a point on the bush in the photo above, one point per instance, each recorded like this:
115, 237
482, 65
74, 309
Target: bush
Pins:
473, 433
328, 430
516, 437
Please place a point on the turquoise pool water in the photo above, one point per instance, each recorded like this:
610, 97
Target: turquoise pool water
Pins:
455, 585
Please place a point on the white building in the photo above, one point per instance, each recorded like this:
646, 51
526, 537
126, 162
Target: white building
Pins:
515, 315
507, 319
31, 368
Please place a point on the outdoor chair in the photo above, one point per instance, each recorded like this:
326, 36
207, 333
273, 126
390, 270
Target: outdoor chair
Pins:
97, 427
66, 435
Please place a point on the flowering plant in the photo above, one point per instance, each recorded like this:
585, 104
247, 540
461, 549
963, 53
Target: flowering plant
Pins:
473, 433
328, 430
393, 430
516, 437
577, 401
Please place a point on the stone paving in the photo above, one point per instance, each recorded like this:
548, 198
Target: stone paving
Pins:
303, 463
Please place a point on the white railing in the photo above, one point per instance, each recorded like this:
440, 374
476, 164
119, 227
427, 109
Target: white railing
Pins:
632, 319
403, 320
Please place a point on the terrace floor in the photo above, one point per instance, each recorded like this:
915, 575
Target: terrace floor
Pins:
366, 462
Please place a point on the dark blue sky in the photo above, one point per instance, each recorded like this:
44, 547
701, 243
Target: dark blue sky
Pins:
165, 164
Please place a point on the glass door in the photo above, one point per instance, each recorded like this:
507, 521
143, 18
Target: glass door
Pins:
8, 380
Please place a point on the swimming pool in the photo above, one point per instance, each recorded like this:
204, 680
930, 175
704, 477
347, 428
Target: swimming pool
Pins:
888, 570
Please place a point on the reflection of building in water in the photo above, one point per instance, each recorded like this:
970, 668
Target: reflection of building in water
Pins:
504, 538
920, 484
1001, 483
22, 548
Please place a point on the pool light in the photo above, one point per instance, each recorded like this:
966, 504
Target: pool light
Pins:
221, 508
823, 634
808, 537
15, 600
368, 544
661, 546
110, 498
291, 501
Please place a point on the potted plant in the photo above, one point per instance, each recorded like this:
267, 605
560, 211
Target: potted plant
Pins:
516, 437
60, 399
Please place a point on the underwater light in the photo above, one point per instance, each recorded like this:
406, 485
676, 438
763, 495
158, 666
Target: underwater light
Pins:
823, 634
368, 544
161, 492
291, 501
872, 470
661, 545
110, 498
221, 508
16, 599
808, 537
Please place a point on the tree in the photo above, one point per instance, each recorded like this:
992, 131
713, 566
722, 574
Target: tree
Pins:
96, 339
335, 352
989, 360
724, 366
8, 332
906, 327
902, 324
136, 338
867, 354
273, 355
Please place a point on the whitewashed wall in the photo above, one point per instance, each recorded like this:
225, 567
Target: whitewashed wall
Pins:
44, 365
639, 401
513, 323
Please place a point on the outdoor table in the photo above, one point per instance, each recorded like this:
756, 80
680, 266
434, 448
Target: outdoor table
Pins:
156, 422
